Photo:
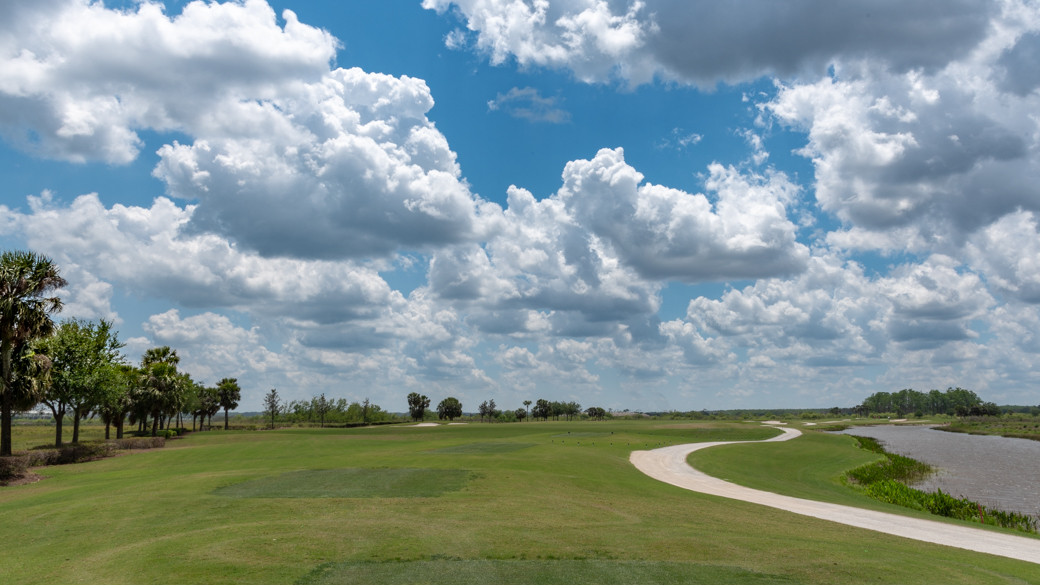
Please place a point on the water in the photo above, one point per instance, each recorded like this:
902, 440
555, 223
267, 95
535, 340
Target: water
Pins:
997, 472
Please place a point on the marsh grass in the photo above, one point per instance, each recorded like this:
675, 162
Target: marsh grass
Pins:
892, 467
536, 572
886, 481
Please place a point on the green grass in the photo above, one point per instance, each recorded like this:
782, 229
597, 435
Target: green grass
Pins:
483, 448
590, 572
351, 483
153, 516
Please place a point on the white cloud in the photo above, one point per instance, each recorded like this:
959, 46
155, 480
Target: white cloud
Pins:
704, 42
78, 79
288, 156
528, 104
146, 250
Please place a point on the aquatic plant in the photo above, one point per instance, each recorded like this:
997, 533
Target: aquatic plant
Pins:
882, 480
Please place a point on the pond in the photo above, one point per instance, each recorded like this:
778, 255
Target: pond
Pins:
994, 471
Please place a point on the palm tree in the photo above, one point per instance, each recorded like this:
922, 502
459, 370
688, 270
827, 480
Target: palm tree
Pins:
527, 405
230, 394
25, 281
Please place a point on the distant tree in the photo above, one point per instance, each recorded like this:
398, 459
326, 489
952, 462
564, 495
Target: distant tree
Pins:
449, 408
835, 411
366, 410
208, 404
229, 393
492, 410
521, 414
322, 407
272, 405
482, 410
25, 309
542, 409
417, 405
527, 405
596, 412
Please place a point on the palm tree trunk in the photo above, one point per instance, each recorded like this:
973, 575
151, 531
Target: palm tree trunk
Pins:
5, 425
75, 426
225, 419
7, 399
119, 427
108, 425
155, 425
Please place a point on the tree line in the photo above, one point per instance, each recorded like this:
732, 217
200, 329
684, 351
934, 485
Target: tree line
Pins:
451, 408
952, 401
76, 368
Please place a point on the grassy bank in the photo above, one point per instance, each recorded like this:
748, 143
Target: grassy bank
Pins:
530, 512
1016, 426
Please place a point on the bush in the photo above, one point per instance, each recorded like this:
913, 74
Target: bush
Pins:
12, 468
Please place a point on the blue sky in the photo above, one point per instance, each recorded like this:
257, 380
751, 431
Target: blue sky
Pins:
712, 206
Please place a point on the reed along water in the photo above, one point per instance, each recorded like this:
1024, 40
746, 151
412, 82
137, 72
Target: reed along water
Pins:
995, 471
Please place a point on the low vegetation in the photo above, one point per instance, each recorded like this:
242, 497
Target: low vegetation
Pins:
1016, 426
886, 480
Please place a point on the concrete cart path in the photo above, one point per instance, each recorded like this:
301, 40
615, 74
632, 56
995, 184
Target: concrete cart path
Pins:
668, 464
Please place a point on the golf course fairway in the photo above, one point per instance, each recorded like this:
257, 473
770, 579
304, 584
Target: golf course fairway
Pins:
546, 502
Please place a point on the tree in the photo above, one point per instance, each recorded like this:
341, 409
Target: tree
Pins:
322, 406
208, 404
229, 394
366, 410
527, 405
596, 412
272, 405
117, 402
84, 358
449, 408
542, 409
417, 405
25, 314
521, 413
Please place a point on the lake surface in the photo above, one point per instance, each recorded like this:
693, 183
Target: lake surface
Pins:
994, 471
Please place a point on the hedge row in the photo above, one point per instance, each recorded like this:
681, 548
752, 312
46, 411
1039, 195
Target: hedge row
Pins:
15, 466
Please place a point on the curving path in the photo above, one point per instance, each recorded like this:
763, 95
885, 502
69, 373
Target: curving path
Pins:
668, 464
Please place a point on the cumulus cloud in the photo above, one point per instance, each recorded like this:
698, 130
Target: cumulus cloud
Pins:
288, 157
666, 233
78, 79
705, 42
528, 104
145, 249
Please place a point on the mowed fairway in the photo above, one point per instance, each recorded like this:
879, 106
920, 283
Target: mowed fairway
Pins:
517, 503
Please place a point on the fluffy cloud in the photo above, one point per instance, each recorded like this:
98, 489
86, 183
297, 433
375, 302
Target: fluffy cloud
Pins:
288, 156
706, 42
590, 259
77, 79
145, 250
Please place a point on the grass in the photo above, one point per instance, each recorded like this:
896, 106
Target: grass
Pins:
1016, 427
154, 517
589, 572
351, 483
483, 448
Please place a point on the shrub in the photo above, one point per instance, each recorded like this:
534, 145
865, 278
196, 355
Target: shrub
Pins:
12, 468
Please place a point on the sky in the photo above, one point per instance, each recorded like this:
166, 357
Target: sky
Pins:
646, 205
